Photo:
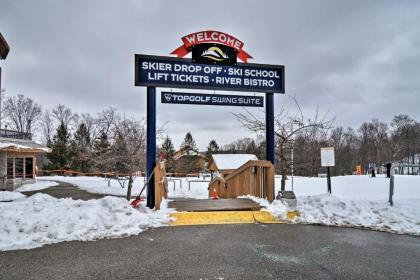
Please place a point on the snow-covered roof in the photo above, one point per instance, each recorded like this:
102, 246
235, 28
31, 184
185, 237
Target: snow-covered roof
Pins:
231, 161
19, 144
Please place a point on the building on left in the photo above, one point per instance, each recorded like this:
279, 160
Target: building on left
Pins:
18, 153
18, 159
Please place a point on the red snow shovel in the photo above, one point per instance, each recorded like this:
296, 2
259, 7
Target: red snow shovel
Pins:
136, 202
138, 199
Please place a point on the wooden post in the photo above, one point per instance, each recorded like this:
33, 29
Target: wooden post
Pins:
270, 183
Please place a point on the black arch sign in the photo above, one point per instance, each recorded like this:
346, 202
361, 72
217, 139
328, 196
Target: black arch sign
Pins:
170, 72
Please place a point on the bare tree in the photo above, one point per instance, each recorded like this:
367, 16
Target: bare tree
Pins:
22, 113
64, 115
286, 127
107, 119
47, 126
127, 154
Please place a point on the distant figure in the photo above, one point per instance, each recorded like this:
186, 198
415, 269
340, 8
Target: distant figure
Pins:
278, 196
388, 169
372, 167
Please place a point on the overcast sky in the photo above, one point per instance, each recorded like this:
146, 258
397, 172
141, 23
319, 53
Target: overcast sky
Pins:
356, 59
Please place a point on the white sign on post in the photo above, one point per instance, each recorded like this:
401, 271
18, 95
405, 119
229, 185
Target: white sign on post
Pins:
327, 156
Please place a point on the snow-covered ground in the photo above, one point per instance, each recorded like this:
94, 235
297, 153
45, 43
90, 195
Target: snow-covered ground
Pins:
41, 219
356, 187
38, 185
98, 184
356, 201
348, 187
113, 187
10, 196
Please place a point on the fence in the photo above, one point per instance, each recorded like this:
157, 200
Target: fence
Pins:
69, 172
7, 133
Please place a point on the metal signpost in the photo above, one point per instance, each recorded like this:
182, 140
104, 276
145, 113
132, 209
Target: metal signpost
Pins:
328, 160
223, 74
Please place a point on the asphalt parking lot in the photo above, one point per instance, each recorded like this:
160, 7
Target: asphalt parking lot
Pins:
251, 251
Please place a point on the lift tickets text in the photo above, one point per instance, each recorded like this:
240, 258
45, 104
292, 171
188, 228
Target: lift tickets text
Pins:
158, 71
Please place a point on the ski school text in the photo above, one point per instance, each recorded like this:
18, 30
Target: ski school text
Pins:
181, 73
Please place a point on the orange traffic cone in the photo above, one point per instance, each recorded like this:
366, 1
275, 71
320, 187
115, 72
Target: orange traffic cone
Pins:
215, 195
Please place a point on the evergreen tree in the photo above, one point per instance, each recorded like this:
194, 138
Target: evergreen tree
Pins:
120, 152
60, 155
189, 142
81, 149
100, 150
212, 148
168, 148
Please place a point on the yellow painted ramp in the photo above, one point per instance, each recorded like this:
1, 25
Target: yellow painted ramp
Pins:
265, 217
222, 217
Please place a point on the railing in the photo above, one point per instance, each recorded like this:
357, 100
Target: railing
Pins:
161, 184
256, 177
7, 133
68, 172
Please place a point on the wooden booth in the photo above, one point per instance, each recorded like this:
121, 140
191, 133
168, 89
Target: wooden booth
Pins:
18, 162
235, 175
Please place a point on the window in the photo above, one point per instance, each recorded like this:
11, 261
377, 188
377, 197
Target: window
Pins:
10, 168
18, 167
29, 163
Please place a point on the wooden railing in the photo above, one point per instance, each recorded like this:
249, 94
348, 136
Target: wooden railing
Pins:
256, 177
68, 172
161, 184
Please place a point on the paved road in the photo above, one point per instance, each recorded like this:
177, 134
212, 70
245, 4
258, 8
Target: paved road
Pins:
225, 252
63, 190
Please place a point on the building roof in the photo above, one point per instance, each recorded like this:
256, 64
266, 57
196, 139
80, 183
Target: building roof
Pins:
4, 47
21, 145
229, 161
186, 151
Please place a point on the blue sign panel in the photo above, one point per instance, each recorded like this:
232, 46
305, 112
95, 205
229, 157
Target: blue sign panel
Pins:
160, 71
211, 99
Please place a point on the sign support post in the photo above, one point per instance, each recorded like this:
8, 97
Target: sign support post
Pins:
328, 160
329, 179
269, 126
151, 144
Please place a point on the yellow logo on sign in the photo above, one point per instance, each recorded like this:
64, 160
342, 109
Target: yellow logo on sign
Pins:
214, 53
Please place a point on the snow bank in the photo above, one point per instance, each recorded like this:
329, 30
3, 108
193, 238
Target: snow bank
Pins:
42, 219
326, 209
10, 196
403, 217
39, 185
